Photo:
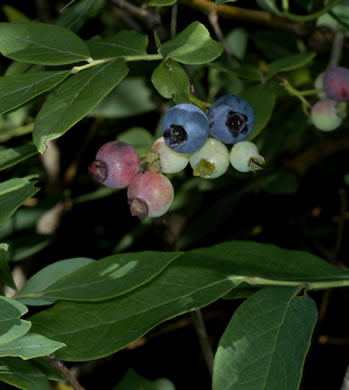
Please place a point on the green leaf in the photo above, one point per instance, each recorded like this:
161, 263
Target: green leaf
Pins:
161, 3
131, 97
23, 375
112, 324
5, 272
77, 14
11, 326
220, 2
15, 16
263, 100
171, 81
40, 43
124, 43
135, 382
109, 277
30, 346
13, 193
192, 46
141, 139
45, 366
289, 63
17, 89
74, 98
237, 41
266, 341
269, 5
12, 156
248, 261
27, 244
46, 277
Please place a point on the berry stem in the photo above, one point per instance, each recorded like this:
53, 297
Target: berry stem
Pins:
294, 92
204, 341
91, 62
64, 371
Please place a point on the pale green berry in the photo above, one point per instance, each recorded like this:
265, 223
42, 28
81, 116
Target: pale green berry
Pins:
244, 157
211, 160
319, 83
163, 384
328, 114
166, 159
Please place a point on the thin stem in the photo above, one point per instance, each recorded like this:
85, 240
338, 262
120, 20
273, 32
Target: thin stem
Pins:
313, 16
174, 13
337, 47
213, 19
144, 57
92, 63
64, 371
294, 92
310, 285
201, 332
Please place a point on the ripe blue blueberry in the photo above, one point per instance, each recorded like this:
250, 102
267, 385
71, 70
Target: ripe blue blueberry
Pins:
231, 119
185, 128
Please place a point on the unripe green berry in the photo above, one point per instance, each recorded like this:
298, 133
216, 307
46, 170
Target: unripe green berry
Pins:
211, 160
328, 114
165, 159
244, 157
319, 83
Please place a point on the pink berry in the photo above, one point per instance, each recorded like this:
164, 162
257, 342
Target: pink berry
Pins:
336, 83
150, 194
116, 164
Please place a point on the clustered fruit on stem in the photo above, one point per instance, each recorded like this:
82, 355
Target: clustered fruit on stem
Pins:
327, 114
189, 137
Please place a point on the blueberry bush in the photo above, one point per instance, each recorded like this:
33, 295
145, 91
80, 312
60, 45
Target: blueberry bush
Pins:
174, 195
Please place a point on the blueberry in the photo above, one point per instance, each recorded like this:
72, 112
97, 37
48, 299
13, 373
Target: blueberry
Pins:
150, 194
166, 159
231, 119
116, 164
211, 160
185, 128
244, 157
328, 114
336, 83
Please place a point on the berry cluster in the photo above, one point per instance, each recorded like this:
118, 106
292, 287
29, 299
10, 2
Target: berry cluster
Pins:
327, 114
189, 137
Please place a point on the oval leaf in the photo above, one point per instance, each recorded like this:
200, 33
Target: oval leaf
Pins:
23, 375
262, 99
266, 341
192, 46
289, 63
74, 98
17, 89
124, 43
112, 324
5, 271
42, 280
171, 81
12, 156
29, 346
109, 277
40, 43
251, 260
141, 139
13, 193
11, 327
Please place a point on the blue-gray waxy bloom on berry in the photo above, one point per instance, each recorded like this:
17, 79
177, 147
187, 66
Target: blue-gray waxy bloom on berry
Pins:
231, 119
185, 128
